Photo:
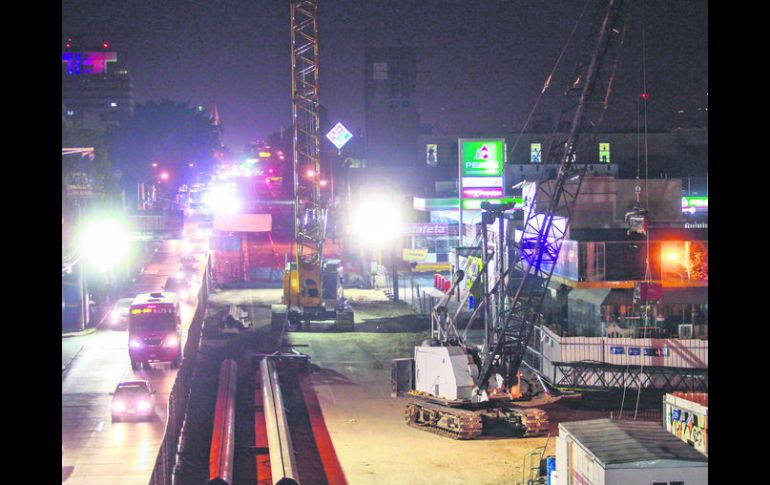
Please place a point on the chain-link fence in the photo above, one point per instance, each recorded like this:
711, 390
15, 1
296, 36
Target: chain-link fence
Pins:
166, 460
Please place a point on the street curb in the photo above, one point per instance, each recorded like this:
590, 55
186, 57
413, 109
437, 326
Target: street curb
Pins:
79, 334
88, 330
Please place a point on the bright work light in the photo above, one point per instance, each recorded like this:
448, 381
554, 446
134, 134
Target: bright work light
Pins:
104, 243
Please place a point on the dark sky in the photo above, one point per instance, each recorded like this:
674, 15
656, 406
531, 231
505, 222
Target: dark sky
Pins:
480, 64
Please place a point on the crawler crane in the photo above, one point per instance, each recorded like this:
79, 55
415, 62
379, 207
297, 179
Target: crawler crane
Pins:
461, 389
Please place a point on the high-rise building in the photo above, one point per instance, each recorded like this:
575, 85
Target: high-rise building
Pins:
93, 92
392, 119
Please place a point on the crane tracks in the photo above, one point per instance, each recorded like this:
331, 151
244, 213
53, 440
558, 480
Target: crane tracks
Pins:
454, 423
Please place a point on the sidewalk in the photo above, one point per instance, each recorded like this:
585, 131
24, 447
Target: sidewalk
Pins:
73, 342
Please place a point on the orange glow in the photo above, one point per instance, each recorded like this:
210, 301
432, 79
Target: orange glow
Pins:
672, 255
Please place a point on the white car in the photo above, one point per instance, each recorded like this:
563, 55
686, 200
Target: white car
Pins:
133, 399
118, 319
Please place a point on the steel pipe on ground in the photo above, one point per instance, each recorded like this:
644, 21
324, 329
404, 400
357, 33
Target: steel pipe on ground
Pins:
223, 435
283, 466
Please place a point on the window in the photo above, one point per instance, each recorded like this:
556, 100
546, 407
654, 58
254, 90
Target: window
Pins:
431, 154
604, 152
535, 153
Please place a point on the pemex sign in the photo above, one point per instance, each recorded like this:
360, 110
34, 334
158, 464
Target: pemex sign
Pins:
482, 171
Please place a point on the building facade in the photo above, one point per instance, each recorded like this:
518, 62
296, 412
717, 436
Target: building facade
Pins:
391, 116
94, 90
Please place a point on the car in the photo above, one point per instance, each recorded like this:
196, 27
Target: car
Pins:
177, 283
133, 399
119, 316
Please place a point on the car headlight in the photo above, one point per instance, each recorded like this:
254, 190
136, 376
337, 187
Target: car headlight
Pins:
143, 405
118, 406
184, 294
135, 343
172, 341
115, 316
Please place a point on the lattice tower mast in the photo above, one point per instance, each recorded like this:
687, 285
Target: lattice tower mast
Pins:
585, 103
309, 217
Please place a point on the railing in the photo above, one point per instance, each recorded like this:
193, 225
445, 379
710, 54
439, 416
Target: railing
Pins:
166, 461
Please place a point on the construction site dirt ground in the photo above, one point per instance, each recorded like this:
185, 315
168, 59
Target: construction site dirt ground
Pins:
351, 375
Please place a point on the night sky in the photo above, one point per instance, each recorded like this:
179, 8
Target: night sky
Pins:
480, 64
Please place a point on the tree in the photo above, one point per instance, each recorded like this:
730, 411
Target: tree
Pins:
169, 133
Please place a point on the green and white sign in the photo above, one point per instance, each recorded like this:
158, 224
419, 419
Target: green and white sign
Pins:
482, 158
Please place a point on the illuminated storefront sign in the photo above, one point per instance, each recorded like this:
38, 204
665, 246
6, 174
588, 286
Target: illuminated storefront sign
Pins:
421, 204
427, 229
695, 201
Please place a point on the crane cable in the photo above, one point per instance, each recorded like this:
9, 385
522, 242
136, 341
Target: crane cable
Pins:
547, 83
647, 272
641, 103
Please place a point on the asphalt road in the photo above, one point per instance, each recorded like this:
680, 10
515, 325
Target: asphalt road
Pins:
95, 450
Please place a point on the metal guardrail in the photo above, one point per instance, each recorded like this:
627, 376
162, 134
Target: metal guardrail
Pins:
223, 434
166, 461
283, 465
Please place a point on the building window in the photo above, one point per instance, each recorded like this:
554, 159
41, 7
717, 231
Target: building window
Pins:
535, 153
431, 150
604, 152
